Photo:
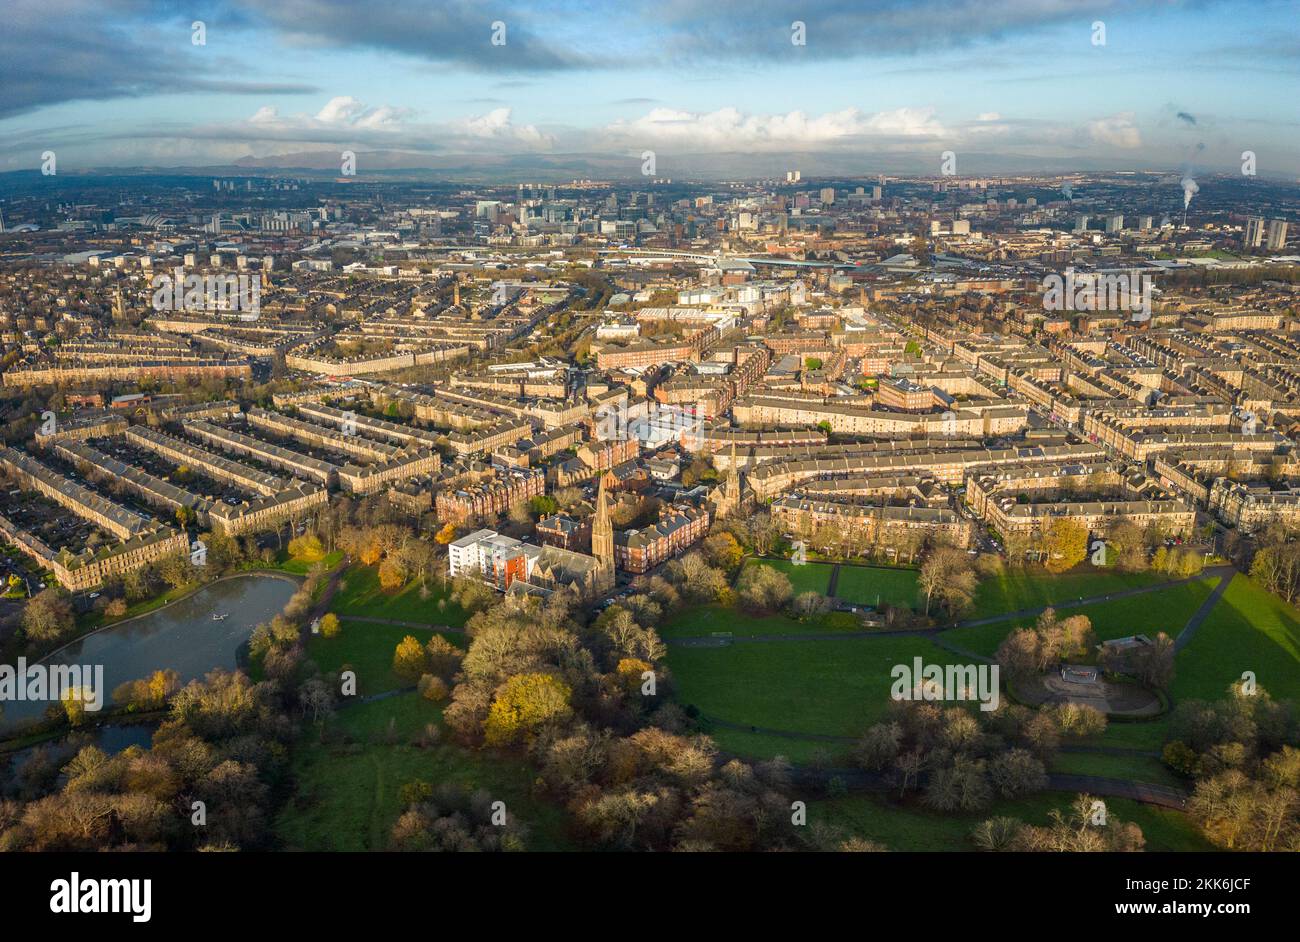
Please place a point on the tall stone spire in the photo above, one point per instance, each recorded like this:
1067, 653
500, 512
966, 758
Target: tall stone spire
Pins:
602, 539
731, 490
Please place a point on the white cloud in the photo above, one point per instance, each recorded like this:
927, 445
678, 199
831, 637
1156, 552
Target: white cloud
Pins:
730, 129
1117, 130
496, 124
341, 110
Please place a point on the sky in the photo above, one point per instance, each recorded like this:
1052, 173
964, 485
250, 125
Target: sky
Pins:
717, 88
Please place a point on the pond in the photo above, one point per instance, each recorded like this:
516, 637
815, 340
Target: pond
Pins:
184, 637
112, 738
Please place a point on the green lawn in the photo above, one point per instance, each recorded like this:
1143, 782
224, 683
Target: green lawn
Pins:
1166, 610
826, 687
872, 585
1149, 735
1249, 630
300, 566
346, 795
810, 577
360, 594
1135, 768
759, 746
910, 827
367, 648
1015, 589
705, 620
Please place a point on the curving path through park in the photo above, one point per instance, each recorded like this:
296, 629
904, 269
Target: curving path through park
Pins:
1148, 793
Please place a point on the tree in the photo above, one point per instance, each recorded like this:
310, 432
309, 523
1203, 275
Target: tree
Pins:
443, 657
722, 550
522, 704
807, 604
306, 547
409, 660
1017, 772
543, 505
150, 693
764, 589
699, 581
1066, 544
74, 705
1124, 542
949, 574
48, 615
330, 626
392, 575
763, 532
963, 786
432, 688
1088, 826
1259, 812
519, 513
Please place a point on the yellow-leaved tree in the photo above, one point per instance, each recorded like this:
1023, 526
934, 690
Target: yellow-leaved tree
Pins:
1066, 544
523, 703
409, 660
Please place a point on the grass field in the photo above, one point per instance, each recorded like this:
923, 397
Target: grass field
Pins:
346, 795
865, 585
367, 648
299, 567
705, 620
759, 746
911, 827
810, 577
827, 687
361, 594
1250, 629
1166, 610
1148, 735
1135, 768
1016, 589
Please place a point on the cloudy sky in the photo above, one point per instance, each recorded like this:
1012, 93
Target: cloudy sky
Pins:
714, 87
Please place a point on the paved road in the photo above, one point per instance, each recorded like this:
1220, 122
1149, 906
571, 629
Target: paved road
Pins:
1163, 795
1202, 613
331, 587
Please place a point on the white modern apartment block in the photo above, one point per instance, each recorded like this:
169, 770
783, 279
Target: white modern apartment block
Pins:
473, 554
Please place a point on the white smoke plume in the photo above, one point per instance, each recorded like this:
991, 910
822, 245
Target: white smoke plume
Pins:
1190, 189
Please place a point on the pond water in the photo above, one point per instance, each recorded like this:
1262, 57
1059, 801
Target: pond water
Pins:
112, 738
183, 637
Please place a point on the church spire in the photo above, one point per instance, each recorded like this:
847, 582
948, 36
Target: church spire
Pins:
602, 539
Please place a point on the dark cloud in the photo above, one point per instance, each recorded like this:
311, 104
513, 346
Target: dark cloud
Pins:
54, 51
456, 32
1184, 116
